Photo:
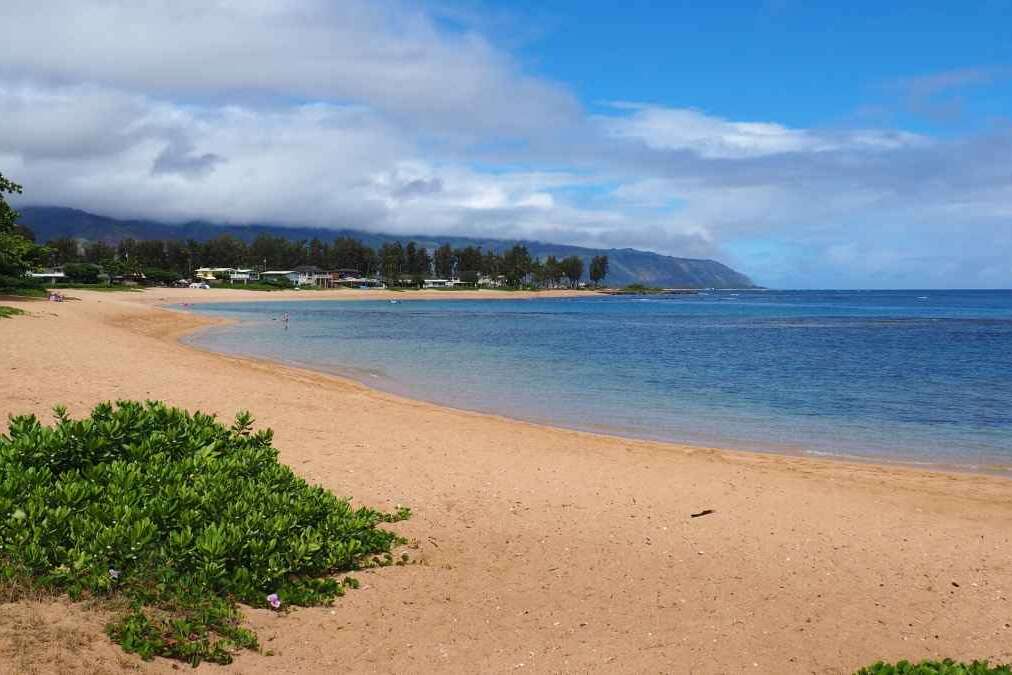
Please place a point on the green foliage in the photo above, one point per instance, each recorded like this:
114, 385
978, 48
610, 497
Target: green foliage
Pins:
178, 515
946, 667
277, 283
18, 253
516, 265
443, 261
257, 286
572, 267
406, 265
19, 285
100, 287
392, 261
8, 216
64, 250
158, 275
82, 273
598, 268
7, 312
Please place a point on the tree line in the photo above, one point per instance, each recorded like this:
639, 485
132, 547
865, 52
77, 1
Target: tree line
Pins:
397, 263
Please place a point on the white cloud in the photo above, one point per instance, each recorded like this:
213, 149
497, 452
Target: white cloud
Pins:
386, 54
313, 164
372, 115
662, 128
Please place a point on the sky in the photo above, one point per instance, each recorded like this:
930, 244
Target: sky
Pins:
862, 145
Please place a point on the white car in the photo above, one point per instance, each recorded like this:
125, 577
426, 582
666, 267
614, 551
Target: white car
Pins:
199, 285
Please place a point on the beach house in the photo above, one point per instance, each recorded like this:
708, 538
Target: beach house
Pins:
311, 275
306, 275
352, 278
440, 283
243, 275
229, 274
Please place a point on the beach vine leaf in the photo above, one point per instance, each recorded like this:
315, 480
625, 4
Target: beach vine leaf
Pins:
180, 516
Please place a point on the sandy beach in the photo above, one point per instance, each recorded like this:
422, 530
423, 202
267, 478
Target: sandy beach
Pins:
538, 549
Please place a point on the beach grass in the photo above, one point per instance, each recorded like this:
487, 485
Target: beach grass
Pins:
103, 288
946, 667
171, 519
7, 312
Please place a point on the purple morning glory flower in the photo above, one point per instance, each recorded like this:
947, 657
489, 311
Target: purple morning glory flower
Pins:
274, 601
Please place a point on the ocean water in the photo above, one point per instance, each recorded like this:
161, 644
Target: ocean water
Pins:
920, 377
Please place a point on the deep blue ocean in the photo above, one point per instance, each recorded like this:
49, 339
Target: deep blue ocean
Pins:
903, 376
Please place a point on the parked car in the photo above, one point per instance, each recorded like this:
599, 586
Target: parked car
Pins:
199, 285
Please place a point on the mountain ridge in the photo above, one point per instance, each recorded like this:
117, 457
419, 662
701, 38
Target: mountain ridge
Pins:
626, 265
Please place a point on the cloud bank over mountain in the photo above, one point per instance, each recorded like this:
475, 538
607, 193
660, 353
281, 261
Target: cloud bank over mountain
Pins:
383, 116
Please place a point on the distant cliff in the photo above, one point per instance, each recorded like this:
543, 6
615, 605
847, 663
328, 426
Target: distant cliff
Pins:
626, 265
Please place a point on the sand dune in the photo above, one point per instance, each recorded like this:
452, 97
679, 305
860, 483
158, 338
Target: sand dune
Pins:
541, 549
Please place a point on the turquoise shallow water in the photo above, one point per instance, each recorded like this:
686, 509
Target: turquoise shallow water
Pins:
907, 376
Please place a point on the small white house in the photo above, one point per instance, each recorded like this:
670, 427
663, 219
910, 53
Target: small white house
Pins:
440, 283
212, 273
359, 282
230, 274
311, 275
242, 275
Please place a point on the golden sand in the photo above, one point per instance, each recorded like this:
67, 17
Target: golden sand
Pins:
540, 549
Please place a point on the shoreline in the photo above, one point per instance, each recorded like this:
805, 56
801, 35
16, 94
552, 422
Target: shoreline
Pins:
347, 378
177, 336
558, 549
999, 471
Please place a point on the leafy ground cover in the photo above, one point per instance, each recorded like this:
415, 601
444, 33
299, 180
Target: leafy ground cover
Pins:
946, 667
7, 312
173, 518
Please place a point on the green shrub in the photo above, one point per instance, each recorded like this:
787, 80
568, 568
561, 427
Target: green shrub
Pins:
946, 667
638, 289
278, 282
82, 273
177, 517
99, 287
156, 275
18, 285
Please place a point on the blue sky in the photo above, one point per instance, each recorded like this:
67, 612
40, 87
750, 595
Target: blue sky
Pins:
786, 61
864, 145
